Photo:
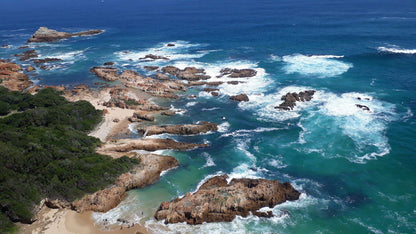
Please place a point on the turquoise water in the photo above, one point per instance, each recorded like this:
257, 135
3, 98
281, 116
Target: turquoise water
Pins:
355, 169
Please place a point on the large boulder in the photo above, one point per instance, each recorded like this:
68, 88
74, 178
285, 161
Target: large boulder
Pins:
12, 76
219, 201
240, 97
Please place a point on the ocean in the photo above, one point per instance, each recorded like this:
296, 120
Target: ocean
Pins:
354, 168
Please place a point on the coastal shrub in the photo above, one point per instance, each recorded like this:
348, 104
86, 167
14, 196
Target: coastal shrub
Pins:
45, 152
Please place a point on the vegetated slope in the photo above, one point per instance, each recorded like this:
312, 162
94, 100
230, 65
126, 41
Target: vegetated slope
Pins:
45, 152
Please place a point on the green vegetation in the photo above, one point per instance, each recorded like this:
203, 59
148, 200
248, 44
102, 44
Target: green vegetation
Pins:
45, 152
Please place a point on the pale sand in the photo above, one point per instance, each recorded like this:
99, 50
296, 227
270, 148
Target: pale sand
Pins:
64, 221
107, 127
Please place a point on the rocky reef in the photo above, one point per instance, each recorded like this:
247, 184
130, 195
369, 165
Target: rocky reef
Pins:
240, 97
44, 34
219, 201
290, 99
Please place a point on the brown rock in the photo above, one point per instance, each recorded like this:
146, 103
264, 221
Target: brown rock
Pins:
146, 173
218, 201
189, 73
161, 76
108, 63
170, 45
116, 120
168, 113
215, 94
240, 98
186, 129
210, 89
363, 107
106, 73
44, 34
27, 55
237, 73
148, 144
151, 68
30, 68
154, 57
143, 115
12, 77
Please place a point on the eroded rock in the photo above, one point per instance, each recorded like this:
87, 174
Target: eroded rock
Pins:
186, 129
290, 99
44, 34
240, 97
219, 201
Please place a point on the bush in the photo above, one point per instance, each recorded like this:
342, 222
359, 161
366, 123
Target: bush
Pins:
45, 152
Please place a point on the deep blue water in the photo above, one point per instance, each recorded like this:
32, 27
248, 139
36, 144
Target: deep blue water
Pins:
355, 169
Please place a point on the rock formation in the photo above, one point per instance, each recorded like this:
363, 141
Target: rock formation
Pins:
120, 147
46, 60
30, 68
147, 172
290, 99
44, 34
186, 129
188, 73
28, 54
219, 201
151, 68
363, 107
240, 98
12, 76
237, 73
154, 57
148, 85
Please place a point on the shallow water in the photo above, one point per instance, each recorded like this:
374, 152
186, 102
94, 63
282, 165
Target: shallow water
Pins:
355, 169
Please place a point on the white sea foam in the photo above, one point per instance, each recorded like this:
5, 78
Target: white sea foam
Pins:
178, 52
396, 50
210, 161
210, 109
338, 114
224, 127
123, 211
189, 104
67, 57
316, 65
247, 132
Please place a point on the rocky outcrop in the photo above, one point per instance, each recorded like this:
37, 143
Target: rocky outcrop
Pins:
30, 68
27, 55
120, 147
186, 129
290, 99
153, 57
237, 73
147, 172
44, 34
188, 73
240, 98
46, 60
139, 116
105, 73
36, 88
219, 201
200, 83
12, 76
108, 63
148, 85
363, 107
151, 68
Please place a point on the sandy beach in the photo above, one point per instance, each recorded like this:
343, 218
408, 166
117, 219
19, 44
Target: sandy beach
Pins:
65, 221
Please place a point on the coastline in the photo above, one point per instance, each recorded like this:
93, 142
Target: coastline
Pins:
66, 221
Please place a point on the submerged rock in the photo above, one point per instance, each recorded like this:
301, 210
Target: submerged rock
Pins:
154, 57
44, 34
186, 129
28, 54
30, 68
46, 60
219, 201
240, 98
290, 99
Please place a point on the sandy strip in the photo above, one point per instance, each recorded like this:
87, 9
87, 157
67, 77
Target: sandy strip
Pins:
64, 221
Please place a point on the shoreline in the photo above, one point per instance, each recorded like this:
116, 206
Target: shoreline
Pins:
66, 221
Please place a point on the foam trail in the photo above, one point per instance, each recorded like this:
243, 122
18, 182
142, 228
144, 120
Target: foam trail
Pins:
396, 50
